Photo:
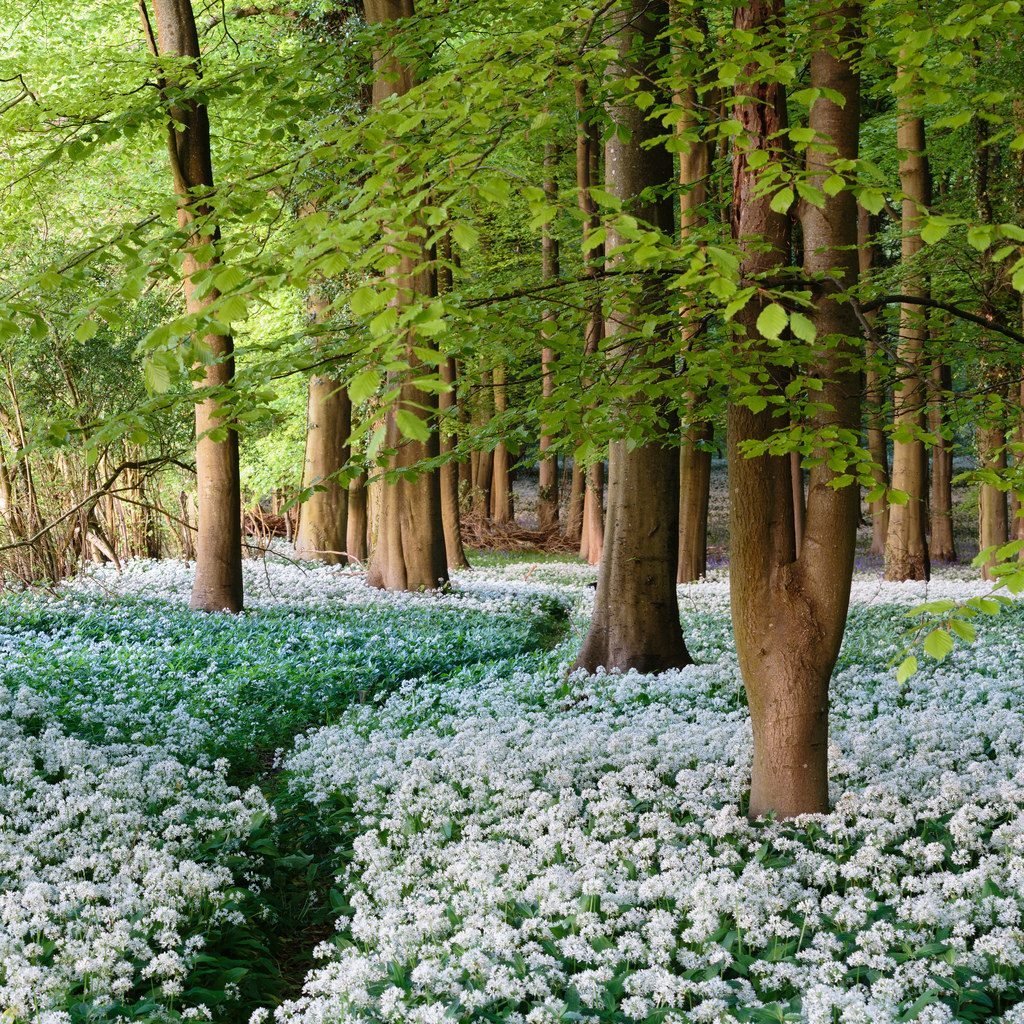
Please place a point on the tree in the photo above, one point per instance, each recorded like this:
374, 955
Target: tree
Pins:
218, 582
547, 485
906, 549
635, 624
410, 552
323, 517
695, 453
789, 604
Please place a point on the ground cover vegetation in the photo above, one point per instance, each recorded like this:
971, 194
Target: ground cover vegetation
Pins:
697, 327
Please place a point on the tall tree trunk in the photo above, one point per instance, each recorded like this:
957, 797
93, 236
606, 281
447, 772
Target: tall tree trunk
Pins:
874, 396
501, 485
447, 403
941, 544
218, 581
906, 549
323, 517
450, 479
789, 605
588, 166
636, 614
574, 508
410, 552
357, 536
695, 453
694, 499
547, 484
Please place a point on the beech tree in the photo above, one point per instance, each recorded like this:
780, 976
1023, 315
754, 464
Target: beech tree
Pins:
906, 550
218, 582
323, 516
635, 624
789, 603
410, 552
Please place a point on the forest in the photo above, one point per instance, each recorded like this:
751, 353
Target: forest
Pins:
512, 513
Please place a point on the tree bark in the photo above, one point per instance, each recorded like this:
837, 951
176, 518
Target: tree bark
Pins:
588, 166
410, 550
874, 397
574, 508
547, 484
694, 499
323, 517
218, 580
447, 402
941, 544
906, 548
450, 479
501, 483
789, 605
635, 624
695, 454
357, 535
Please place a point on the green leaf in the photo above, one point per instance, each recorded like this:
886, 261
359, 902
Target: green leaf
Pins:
935, 230
802, 327
365, 300
772, 321
938, 643
410, 425
466, 235
86, 330
363, 386
907, 668
782, 200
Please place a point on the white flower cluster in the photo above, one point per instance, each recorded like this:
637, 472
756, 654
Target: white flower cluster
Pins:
102, 894
276, 581
547, 849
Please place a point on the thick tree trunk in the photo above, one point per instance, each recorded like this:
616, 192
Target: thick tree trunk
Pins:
636, 614
906, 549
789, 605
323, 517
941, 545
218, 581
410, 551
592, 536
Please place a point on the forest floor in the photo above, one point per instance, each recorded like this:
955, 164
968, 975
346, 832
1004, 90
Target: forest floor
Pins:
402, 808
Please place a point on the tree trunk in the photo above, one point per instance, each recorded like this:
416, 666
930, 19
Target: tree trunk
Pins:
906, 549
636, 614
574, 509
547, 484
694, 498
501, 484
588, 165
694, 455
410, 552
218, 581
789, 605
447, 401
450, 479
357, 536
941, 545
993, 518
874, 396
592, 536
323, 517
